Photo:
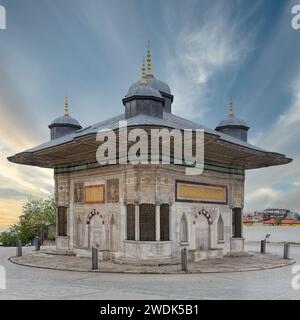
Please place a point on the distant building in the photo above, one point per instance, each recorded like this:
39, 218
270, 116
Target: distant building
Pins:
252, 219
282, 222
272, 213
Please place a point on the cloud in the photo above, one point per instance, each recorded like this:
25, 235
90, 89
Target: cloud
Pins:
292, 115
263, 196
217, 43
281, 184
296, 183
17, 182
10, 210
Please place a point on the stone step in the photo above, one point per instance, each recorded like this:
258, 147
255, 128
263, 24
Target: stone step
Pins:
148, 262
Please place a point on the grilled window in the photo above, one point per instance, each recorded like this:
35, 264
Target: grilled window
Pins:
164, 222
130, 222
237, 223
147, 222
62, 221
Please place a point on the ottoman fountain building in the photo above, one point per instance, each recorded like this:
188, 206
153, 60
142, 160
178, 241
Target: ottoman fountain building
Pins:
147, 212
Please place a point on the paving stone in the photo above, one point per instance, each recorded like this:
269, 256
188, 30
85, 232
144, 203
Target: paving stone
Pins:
253, 261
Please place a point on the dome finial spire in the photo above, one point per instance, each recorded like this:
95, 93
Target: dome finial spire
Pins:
143, 79
231, 113
149, 67
66, 106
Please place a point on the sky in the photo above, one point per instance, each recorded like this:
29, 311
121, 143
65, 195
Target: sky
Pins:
207, 51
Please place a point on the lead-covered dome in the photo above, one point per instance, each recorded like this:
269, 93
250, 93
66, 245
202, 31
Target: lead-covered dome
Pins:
64, 125
154, 83
143, 99
231, 120
233, 126
142, 89
65, 119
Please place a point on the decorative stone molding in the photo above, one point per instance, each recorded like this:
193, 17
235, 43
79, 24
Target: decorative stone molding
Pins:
91, 215
206, 214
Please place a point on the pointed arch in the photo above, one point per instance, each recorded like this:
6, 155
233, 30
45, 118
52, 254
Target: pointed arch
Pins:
79, 231
112, 233
112, 220
220, 226
206, 214
91, 215
183, 229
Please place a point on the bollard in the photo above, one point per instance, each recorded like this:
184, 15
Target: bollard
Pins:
18, 248
37, 244
184, 259
94, 258
286, 250
263, 246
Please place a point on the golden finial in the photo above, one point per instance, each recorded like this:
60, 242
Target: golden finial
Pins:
66, 107
149, 67
143, 80
231, 113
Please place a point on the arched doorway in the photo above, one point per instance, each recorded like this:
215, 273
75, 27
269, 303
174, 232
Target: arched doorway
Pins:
98, 233
203, 221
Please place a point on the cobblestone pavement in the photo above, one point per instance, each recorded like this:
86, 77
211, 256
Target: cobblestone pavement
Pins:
34, 283
255, 261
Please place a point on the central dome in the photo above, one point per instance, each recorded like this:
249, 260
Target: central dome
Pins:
142, 89
149, 86
142, 99
154, 83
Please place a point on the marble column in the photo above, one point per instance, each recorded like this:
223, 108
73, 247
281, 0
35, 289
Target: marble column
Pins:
157, 222
137, 222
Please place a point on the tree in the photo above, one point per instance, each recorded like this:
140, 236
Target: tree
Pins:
278, 221
38, 215
9, 238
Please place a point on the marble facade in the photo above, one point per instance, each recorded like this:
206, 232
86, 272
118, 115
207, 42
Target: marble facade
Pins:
104, 225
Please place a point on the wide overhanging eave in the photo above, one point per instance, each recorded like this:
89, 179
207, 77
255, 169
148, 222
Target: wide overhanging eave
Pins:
84, 148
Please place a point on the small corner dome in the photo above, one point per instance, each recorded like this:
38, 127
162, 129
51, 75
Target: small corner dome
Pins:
155, 84
65, 120
142, 90
232, 121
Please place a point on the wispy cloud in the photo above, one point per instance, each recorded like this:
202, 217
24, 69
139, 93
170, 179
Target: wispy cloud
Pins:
292, 115
279, 184
18, 182
218, 42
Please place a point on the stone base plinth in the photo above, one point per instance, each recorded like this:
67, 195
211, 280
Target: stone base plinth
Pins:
62, 243
198, 255
237, 244
148, 249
